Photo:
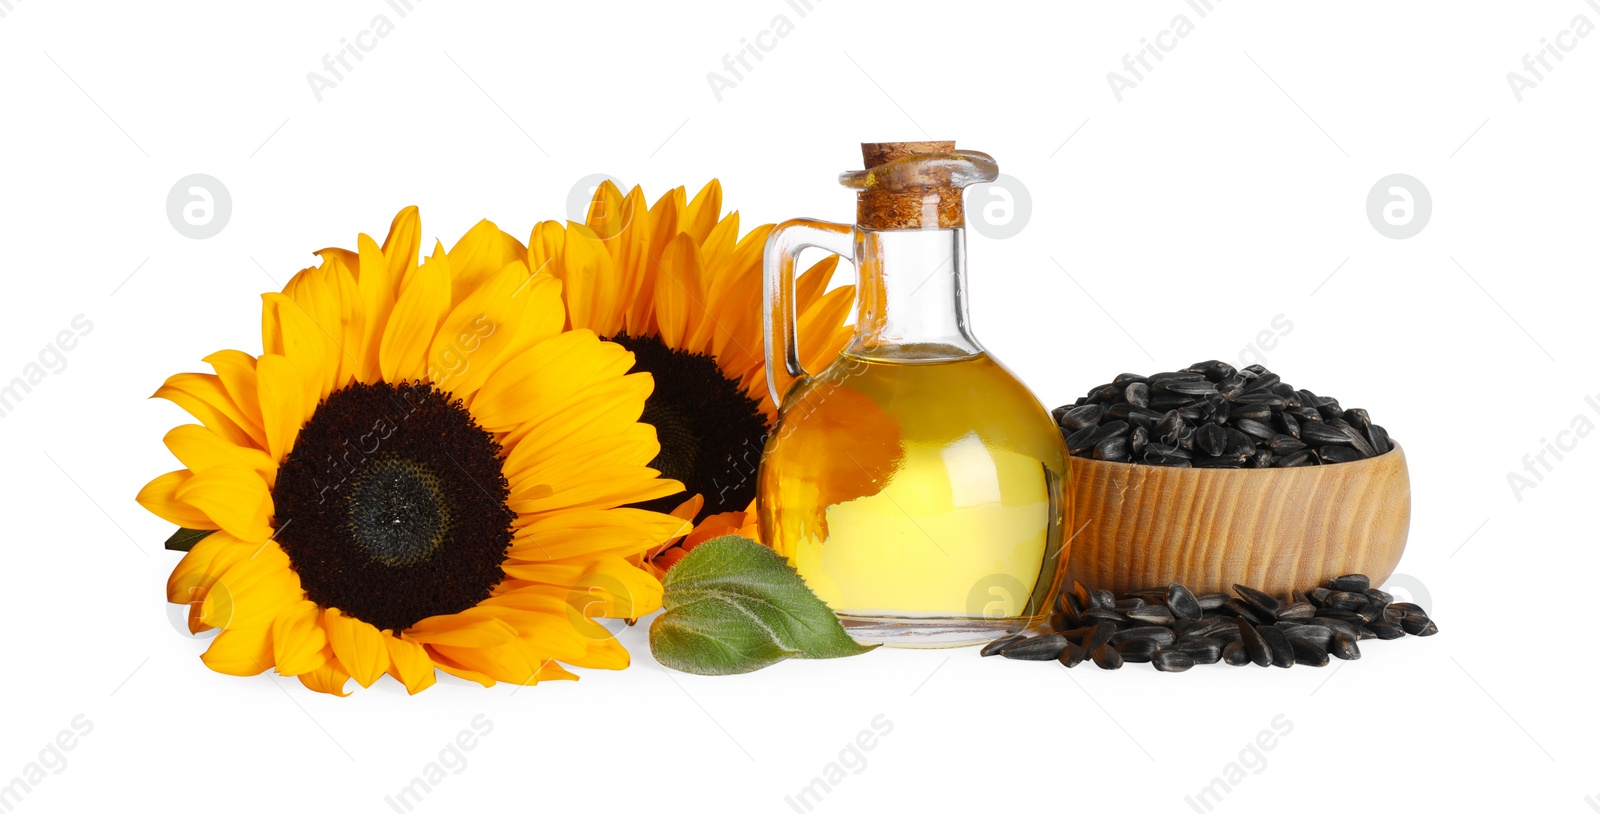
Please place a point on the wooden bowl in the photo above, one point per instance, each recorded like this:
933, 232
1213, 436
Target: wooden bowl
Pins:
1140, 526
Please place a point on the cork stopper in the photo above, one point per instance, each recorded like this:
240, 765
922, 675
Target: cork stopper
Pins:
915, 184
882, 152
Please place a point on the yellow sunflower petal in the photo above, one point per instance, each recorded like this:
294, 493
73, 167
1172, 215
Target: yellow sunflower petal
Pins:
547, 377
679, 298
236, 371
330, 678
358, 646
409, 664
199, 448
299, 639
233, 497
376, 285
160, 497
285, 405
479, 255
401, 245
461, 630
424, 299
205, 398
240, 651
704, 211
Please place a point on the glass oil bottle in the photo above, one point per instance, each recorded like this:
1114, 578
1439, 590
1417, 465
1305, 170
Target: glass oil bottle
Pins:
915, 483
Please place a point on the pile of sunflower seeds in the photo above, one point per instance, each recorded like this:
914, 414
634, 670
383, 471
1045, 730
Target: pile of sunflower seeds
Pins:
1174, 629
1213, 415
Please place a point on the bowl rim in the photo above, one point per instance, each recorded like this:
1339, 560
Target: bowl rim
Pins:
1394, 447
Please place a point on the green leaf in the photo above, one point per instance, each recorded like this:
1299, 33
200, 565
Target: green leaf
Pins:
184, 539
712, 637
733, 605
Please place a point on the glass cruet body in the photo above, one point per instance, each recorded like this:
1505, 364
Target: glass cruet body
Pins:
914, 482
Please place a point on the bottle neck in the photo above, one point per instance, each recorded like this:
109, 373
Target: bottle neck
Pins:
912, 292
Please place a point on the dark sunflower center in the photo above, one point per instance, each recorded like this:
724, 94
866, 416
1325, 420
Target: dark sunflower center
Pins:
711, 433
398, 513
392, 505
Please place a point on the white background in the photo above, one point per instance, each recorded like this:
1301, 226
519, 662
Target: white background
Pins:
1226, 188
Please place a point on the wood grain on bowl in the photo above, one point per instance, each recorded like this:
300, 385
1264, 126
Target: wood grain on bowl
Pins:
1140, 526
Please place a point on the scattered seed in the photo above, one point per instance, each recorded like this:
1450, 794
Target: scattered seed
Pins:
1172, 661
1174, 629
1105, 658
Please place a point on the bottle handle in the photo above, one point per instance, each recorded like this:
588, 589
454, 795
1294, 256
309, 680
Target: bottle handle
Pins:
784, 244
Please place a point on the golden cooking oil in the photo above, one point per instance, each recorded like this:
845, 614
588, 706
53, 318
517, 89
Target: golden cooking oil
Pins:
917, 485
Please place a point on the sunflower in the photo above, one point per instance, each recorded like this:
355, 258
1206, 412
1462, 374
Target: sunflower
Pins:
423, 470
677, 285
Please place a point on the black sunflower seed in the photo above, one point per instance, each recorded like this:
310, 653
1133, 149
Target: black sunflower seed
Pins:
1211, 601
1137, 651
1309, 652
1076, 418
1106, 658
1297, 611
1265, 605
1234, 654
1172, 661
1183, 603
1101, 635
1346, 600
1202, 650
1253, 428
1321, 433
999, 644
1337, 455
1278, 646
1038, 648
1072, 655
1256, 646
1387, 630
1344, 647
1351, 582
1418, 624
1162, 636
1211, 439
1152, 614
1138, 394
